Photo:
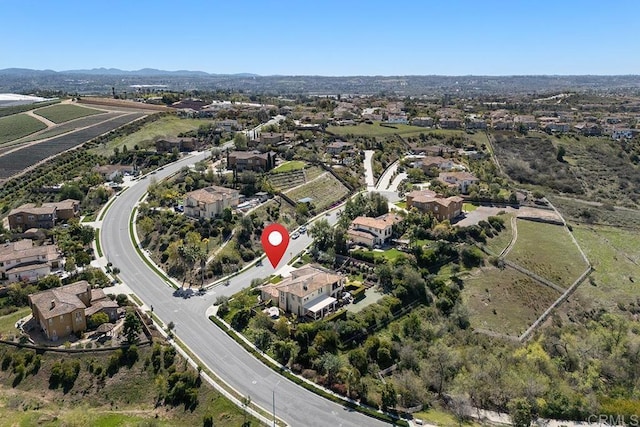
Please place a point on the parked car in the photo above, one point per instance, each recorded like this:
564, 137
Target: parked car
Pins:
303, 229
295, 235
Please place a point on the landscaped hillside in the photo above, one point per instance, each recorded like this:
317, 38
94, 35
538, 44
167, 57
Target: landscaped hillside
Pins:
138, 386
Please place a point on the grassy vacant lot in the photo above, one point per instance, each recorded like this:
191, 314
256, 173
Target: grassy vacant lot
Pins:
549, 251
324, 191
126, 398
499, 242
290, 166
8, 322
376, 129
65, 112
505, 301
166, 127
17, 126
616, 259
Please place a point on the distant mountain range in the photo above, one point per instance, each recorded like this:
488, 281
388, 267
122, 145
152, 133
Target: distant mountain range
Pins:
152, 72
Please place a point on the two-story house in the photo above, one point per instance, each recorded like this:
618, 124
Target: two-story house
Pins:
64, 310
432, 164
251, 160
372, 232
441, 208
210, 202
309, 291
461, 180
45, 216
336, 147
21, 261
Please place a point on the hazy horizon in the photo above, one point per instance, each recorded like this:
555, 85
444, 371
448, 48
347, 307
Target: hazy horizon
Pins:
331, 38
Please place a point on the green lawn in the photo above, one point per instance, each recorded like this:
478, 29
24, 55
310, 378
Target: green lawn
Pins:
8, 322
549, 251
165, 127
505, 301
616, 260
17, 126
469, 207
402, 205
290, 166
64, 112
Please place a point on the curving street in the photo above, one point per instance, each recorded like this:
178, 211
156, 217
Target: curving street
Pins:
294, 404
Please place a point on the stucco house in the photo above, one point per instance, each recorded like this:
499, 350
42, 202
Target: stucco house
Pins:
461, 180
21, 261
210, 202
64, 310
309, 291
372, 232
442, 208
44, 216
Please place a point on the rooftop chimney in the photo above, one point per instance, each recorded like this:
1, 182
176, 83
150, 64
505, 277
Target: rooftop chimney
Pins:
53, 304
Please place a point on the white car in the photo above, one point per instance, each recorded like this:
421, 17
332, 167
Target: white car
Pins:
295, 235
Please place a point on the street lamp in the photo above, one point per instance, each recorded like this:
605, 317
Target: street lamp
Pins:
274, 402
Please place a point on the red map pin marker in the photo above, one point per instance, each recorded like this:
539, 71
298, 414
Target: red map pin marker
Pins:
275, 239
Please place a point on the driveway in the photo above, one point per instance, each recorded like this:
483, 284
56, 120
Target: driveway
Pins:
482, 213
368, 170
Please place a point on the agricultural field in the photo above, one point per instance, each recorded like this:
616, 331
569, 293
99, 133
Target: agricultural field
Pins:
505, 301
615, 281
18, 126
17, 161
65, 112
165, 127
548, 251
324, 190
16, 109
70, 126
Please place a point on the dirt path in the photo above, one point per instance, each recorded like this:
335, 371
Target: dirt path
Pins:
46, 121
514, 238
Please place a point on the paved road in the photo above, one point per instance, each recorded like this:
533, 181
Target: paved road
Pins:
368, 170
225, 357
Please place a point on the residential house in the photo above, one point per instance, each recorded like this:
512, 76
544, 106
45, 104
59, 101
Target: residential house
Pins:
588, 129
271, 137
461, 180
210, 202
442, 208
180, 144
422, 121
431, 164
251, 160
475, 123
430, 150
526, 121
620, 133
450, 123
21, 261
64, 310
111, 172
309, 291
372, 232
229, 125
337, 147
44, 216
400, 118
559, 127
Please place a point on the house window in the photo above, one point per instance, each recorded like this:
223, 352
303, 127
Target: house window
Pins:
61, 317
51, 321
78, 316
31, 217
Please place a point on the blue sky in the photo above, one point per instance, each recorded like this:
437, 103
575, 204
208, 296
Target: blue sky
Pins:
333, 38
